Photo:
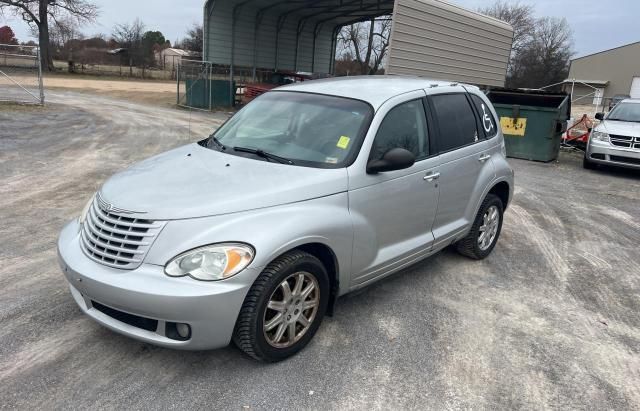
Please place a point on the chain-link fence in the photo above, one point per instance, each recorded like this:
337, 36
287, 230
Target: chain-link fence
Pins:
20, 74
204, 86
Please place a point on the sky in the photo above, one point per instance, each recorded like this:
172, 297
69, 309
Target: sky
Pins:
597, 24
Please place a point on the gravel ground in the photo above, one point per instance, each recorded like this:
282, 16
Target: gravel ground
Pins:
550, 320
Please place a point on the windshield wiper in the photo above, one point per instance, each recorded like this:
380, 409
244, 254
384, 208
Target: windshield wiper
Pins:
264, 154
217, 142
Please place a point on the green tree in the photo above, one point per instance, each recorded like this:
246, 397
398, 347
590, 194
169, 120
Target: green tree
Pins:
151, 41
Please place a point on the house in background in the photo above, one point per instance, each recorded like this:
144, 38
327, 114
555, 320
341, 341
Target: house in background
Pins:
169, 58
607, 73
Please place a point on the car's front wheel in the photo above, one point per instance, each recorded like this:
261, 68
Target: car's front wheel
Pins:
485, 230
587, 164
283, 308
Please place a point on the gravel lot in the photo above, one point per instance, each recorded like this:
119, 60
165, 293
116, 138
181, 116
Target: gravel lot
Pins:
550, 320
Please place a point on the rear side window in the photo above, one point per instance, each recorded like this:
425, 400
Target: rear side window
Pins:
456, 121
487, 121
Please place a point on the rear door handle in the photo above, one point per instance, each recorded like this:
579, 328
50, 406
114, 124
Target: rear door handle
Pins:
432, 176
484, 158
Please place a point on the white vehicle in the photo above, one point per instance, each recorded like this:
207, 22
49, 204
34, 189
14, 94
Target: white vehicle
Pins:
616, 140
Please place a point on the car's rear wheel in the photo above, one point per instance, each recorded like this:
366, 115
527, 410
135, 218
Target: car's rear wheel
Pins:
485, 230
283, 308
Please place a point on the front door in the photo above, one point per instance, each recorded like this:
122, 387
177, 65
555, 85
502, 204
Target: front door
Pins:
393, 211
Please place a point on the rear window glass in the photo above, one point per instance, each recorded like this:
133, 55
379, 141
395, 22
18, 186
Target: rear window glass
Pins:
487, 121
456, 121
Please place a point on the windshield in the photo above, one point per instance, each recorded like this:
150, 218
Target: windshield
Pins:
625, 112
308, 129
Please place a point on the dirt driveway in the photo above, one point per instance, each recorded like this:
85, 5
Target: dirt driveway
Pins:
550, 320
150, 92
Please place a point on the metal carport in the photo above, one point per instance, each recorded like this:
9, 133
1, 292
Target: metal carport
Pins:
429, 38
295, 35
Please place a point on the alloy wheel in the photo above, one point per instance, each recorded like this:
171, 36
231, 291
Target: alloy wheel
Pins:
291, 309
489, 228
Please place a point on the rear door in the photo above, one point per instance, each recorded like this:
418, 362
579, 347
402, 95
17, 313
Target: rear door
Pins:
465, 165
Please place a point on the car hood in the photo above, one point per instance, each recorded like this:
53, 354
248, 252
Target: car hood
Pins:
620, 128
193, 181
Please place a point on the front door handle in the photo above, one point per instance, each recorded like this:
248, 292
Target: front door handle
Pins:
484, 158
431, 176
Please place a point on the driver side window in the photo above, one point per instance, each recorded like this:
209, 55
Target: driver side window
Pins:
405, 126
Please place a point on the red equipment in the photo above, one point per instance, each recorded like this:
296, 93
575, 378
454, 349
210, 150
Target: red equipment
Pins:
580, 131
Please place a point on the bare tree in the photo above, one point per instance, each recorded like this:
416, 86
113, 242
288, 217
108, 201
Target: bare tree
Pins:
130, 36
519, 15
521, 18
541, 47
545, 59
365, 44
38, 12
61, 32
194, 39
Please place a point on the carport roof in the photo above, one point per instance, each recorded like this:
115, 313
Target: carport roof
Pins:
338, 12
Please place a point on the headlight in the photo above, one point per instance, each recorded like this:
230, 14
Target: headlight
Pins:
211, 263
85, 210
600, 136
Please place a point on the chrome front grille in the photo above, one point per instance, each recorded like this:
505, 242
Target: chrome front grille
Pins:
116, 240
625, 141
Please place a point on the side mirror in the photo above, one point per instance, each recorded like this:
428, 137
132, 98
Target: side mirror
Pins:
600, 116
394, 159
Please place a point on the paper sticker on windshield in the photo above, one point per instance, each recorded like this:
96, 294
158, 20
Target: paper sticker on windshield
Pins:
331, 160
343, 142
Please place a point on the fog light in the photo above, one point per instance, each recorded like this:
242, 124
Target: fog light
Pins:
183, 330
178, 331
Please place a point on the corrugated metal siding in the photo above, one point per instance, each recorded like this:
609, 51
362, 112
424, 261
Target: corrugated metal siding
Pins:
218, 35
218, 40
429, 38
324, 51
435, 39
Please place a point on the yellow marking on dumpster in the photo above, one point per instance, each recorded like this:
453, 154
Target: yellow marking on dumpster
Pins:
513, 126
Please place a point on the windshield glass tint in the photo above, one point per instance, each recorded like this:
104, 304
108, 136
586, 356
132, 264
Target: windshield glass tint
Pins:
625, 112
309, 129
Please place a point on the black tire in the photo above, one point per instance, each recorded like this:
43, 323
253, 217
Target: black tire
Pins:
469, 246
249, 333
588, 165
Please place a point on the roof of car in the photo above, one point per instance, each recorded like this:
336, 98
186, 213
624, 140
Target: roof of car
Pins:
631, 100
375, 90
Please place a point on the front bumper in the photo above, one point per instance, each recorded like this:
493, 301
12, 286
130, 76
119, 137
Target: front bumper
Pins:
602, 152
210, 308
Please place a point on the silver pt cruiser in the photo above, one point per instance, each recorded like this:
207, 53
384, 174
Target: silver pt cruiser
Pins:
311, 191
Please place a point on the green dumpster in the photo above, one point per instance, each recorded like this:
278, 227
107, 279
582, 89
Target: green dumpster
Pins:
532, 122
199, 91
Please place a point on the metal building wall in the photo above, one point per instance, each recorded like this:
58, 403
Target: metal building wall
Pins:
434, 39
269, 53
618, 66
